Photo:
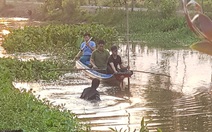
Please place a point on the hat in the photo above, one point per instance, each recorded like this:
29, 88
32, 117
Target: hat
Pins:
113, 48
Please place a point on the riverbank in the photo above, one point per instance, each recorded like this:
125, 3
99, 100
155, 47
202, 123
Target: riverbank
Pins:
144, 26
21, 110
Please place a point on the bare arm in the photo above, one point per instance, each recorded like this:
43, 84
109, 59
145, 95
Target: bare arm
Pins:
92, 63
113, 67
124, 67
92, 48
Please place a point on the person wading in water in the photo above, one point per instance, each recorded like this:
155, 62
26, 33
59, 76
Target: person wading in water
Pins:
91, 93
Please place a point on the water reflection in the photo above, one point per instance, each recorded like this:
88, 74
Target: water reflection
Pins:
181, 102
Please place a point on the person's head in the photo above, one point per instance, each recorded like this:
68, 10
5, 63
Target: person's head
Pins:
87, 36
114, 49
95, 83
101, 44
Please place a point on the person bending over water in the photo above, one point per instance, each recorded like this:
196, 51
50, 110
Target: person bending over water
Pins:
91, 93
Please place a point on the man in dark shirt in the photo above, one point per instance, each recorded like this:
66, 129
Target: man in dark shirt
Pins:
115, 63
91, 93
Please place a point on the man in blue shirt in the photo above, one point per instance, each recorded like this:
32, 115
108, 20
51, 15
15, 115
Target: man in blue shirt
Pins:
87, 48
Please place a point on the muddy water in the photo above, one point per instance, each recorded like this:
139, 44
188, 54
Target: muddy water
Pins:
180, 103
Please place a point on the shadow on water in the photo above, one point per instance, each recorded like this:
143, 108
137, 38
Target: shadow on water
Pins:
181, 102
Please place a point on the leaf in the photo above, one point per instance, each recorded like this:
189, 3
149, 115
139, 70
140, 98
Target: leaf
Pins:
79, 41
159, 130
112, 129
203, 46
142, 122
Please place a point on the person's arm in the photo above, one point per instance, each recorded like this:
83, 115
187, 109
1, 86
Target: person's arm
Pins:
122, 66
111, 63
79, 54
82, 46
92, 60
113, 67
93, 64
91, 45
83, 94
97, 96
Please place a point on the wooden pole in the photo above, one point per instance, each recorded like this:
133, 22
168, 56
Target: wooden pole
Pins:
159, 74
127, 36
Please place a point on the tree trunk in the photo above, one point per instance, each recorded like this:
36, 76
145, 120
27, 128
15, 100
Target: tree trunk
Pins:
133, 5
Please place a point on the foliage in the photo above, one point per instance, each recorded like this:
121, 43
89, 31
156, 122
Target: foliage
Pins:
143, 128
63, 11
21, 110
207, 6
111, 17
55, 39
157, 26
149, 27
166, 8
32, 70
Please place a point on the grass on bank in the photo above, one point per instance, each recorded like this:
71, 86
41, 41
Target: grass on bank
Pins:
166, 29
150, 27
20, 110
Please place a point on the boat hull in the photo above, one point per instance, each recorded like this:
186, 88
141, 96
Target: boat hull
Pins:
112, 79
91, 73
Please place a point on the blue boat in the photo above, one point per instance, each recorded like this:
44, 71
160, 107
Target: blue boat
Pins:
116, 78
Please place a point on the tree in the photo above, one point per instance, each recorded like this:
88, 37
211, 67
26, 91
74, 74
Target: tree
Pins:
133, 4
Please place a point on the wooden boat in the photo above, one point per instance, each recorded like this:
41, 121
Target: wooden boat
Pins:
113, 79
200, 24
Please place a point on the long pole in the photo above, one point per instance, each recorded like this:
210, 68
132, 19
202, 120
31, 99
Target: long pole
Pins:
127, 35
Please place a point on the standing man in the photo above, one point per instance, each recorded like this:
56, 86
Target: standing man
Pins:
100, 57
86, 48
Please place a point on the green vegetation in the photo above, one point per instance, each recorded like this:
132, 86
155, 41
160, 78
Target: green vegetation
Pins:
33, 70
159, 26
143, 128
150, 27
61, 40
21, 110
29, 113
